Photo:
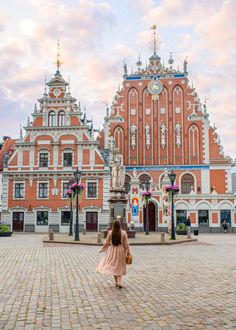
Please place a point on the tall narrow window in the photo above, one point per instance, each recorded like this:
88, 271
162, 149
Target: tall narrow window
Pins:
43, 190
65, 187
61, 118
67, 159
43, 159
187, 183
92, 190
51, 119
19, 190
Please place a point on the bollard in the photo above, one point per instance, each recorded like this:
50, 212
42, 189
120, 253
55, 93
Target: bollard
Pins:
189, 234
51, 235
163, 237
99, 238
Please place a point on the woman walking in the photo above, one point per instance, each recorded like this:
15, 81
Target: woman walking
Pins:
116, 247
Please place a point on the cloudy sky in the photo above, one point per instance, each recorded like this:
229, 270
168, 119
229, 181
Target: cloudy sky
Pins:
95, 38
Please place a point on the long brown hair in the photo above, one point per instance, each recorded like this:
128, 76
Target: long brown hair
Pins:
116, 233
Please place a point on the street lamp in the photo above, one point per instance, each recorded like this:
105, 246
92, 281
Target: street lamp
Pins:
172, 177
70, 195
147, 186
77, 175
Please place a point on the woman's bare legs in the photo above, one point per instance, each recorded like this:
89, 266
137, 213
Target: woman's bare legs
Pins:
119, 281
115, 277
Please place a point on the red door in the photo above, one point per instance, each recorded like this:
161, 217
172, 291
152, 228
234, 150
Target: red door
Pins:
91, 221
18, 221
151, 216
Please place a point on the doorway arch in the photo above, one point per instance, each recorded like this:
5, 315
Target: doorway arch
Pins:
152, 215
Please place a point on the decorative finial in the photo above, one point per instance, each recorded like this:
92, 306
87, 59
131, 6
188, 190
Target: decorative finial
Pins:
125, 68
45, 85
139, 63
58, 62
21, 134
69, 84
154, 27
171, 60
185, 65
28, 121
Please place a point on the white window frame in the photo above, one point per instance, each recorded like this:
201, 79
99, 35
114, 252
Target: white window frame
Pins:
65, 151
92, 181
18, 198
42, 198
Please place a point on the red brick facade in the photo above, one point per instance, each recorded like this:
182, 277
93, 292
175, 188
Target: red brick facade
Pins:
57, 141
158, 122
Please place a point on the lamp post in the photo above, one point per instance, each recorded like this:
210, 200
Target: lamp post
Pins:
147, 186
77, 175
71, 211
172, 177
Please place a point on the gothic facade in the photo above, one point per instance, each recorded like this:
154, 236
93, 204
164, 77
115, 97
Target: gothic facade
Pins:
159, 124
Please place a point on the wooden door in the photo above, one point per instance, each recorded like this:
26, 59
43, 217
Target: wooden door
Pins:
151, 216
18, 221
91, 221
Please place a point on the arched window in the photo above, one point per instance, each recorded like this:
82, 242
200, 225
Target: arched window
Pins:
127, 183
52, 119
61, 118
187, 183
142, 179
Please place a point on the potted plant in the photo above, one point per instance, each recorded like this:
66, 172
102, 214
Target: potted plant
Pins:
181, 229
5, 229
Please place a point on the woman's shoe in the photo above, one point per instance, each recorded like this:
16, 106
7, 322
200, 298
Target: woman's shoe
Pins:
120, 286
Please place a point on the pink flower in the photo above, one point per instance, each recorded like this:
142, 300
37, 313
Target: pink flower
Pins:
174, 188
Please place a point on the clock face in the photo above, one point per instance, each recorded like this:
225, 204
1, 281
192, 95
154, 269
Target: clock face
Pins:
57, 92
155, 87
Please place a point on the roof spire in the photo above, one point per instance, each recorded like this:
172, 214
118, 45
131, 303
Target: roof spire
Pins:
69, 84
154, 27
58, 62
21, 133
139, 63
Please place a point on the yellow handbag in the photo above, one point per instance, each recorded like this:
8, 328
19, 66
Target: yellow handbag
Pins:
129, 259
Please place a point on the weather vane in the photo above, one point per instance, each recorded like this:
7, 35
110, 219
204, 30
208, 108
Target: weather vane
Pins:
154, 27
58, 62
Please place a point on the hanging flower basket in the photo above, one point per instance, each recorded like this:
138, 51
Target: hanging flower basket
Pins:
69, 193
146, 196
174, 188
76, 187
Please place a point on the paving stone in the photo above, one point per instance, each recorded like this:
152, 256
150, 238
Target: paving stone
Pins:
191, 286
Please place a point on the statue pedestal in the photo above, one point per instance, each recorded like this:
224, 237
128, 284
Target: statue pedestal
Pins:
117, 204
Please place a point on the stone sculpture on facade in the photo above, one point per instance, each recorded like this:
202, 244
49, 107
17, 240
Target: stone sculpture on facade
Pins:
133, 131
178, 135
163, 135
147, 136
118, 170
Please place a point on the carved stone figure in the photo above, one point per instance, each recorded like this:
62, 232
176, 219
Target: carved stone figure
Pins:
178, 135
133, 131
135, 175
118, 170
5, 159
147, 135
163, 135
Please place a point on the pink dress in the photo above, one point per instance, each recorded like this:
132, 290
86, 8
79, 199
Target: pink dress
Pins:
114, 261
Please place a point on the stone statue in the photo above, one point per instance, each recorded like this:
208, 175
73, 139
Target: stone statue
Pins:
163, 135
133, 131
135, 175
178, 136
185, 65
5, 159
118, 170
147, 135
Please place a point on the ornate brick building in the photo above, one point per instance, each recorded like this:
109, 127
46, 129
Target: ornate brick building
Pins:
35, 178
159, 124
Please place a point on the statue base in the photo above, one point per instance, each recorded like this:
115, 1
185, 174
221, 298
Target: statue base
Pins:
117, 203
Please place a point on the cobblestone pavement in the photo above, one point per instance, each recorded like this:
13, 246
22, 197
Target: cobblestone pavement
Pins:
186, 286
